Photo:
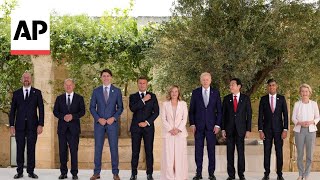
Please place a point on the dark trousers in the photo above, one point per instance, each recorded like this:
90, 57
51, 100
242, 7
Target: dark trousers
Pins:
147, 134
71, 140
199, 146
23, 136
267, 144
233, 139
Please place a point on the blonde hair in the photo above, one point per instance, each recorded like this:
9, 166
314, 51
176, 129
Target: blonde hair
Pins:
168, 96
304, 85
205, 74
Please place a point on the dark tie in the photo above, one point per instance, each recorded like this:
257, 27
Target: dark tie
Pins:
69, 102
235, 104
142, 95
27, 94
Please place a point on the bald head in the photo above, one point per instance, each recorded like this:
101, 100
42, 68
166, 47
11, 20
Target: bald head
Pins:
26, 79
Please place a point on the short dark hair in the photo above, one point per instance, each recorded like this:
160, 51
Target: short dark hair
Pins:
237, 80
143, 78
107, 71
271, 81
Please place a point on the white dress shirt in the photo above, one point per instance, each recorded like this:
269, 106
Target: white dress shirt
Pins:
71, 97
24, 91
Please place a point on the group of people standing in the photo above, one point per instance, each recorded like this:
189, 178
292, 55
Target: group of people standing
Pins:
207, 117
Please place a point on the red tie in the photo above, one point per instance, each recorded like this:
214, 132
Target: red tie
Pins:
272, 107
235, 104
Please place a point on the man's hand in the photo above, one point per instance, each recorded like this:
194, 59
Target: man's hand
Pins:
224, 134
12, 131
262, 137
193, 129
284, 134
102, 121
39, 129
143, 124
68, 117
216, 130
147, 97
247, 134
110, 120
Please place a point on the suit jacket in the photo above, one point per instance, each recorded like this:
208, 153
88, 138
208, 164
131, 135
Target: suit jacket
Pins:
178, 121
205, 117
101, 109
77, 109
241, 120
147, 111
27, 109
277, 121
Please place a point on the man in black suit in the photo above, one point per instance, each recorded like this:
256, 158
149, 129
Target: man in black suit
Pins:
26, 121
69, 108
236, 125
145, 108
273, 126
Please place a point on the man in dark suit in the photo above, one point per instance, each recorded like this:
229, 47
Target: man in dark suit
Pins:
273, 126
205, 121
236, 125
145, 108
69, 108
26, 120
106, 107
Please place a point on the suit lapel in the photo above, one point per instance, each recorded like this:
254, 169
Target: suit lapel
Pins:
240, 102
277, 102
170, 110
177, 120
31, 94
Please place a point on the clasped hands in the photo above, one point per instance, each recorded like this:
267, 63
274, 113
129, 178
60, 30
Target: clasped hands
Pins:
174, 131
68, 117
305, 123
104, 121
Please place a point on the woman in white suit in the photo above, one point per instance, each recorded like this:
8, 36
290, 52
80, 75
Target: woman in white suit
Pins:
305, 118
174, 114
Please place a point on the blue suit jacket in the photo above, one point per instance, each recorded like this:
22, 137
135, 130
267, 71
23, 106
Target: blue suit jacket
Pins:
205, 118
101, 109
27, 109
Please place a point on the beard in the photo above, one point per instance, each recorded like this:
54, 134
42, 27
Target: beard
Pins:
26, 83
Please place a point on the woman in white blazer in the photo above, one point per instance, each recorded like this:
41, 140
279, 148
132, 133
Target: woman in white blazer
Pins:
174, 114
305, 118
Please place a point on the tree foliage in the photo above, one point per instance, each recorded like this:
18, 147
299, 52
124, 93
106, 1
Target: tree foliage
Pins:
11, 67
251, 40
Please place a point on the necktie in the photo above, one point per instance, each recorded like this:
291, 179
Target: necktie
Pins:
142, 95
206, 99
106, 95
27, 95
69, 102
235, 104
272, 107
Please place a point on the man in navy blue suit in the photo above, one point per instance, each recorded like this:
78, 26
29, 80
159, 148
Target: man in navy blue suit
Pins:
26, 120
273, 126
205, 120
236, 125
106, 107
145, 108
69, 108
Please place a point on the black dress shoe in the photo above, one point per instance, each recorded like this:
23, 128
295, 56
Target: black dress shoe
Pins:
265, 177
149, 177
133, 177
212, 177
63, 176
242, 178
280, 178
75, 177
33, 176
17, 176
231, 178
197, 177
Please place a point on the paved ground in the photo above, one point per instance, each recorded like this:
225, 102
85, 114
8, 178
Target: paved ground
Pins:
52, 174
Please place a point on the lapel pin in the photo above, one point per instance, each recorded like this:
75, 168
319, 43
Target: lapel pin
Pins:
112, 90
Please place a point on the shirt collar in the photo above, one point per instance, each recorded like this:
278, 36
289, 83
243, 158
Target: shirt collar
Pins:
238, 95
143, 92
71, 94
104, 86
275, 95
203, 89
24, 88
